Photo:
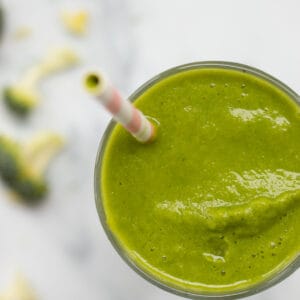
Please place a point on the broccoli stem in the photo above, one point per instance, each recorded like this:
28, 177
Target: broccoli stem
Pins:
56, 60
31, 78
39, 151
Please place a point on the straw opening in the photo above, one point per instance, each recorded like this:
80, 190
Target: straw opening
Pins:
93, 82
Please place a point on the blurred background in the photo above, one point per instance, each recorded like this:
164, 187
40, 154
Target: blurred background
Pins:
59, 247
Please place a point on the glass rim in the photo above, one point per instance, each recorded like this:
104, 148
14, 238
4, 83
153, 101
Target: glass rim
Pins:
270, 281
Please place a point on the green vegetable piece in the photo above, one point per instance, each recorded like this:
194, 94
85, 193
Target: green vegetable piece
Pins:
19, 289
24, 95
23, 166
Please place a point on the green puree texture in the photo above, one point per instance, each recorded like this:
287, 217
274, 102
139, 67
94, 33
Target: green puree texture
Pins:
214, 203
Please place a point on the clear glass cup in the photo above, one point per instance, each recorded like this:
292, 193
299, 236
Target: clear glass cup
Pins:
268, 282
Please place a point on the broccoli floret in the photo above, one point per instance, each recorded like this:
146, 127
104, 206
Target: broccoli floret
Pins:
22, 166
75, 21
20, 99
19, 289
23, 96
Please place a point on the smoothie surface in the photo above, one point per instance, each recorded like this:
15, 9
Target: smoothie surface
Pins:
214, 203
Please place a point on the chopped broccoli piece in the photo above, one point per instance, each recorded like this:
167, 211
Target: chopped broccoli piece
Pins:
19, 289
23, 96
22, 32
75, 21
20, 99
22, 166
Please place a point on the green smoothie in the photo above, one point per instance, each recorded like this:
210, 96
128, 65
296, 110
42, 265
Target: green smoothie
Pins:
213, 205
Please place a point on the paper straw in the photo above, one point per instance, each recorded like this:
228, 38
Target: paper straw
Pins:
122, 110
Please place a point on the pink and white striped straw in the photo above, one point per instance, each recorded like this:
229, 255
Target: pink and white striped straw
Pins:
122, 110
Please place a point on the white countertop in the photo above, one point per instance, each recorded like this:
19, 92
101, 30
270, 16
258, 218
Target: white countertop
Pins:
61, 246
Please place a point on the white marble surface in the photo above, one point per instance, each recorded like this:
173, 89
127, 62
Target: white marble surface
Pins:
61, 246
